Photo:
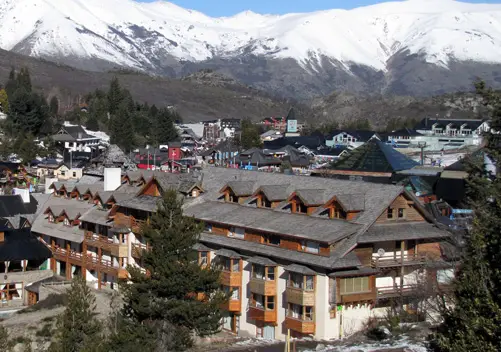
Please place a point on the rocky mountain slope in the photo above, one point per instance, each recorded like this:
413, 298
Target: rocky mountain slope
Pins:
194, 100
413, 47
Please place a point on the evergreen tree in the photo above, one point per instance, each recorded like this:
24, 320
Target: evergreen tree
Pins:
164, 128
122, 129
24, 79
162, 303
249, 137
28, 111
92, 123
474, 322
78, 328
153, 111
11, 85
115, 96
54, 106
4, 101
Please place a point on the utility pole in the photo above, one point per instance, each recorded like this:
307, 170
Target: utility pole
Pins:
422, 145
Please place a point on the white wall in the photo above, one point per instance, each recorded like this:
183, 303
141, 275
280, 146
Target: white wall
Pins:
281, 303
247, 327
325, 327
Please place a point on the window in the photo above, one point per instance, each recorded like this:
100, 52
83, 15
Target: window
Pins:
389, 213
272, 240
66, 222
354, 285
237, 232
51, 217
235, 294
263, 272
203, 258
311, 247
270, 303
208, 227
401, 213
258, 300
266, 203
303, 282
74, 174
299, 312
236, 265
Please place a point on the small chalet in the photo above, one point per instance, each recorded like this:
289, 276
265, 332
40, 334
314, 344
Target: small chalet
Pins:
75, 138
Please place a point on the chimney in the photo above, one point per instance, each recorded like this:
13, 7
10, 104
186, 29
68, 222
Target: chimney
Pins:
48, 182
112, 178
24, 193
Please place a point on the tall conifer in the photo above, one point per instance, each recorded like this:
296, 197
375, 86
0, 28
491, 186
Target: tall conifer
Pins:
473, 323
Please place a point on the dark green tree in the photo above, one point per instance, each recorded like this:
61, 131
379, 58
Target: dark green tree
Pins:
115, 96
474, 321
249, 137
153, 111
78, 328
28, 111
164, 128
164, 302
54, 106
11, 85
92, 123
24, 79
122, 129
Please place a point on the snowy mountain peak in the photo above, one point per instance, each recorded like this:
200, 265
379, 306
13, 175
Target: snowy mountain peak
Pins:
158, 35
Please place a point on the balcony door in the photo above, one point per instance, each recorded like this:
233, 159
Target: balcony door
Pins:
269, 332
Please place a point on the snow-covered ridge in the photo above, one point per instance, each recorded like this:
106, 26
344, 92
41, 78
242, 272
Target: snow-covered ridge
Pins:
134, 34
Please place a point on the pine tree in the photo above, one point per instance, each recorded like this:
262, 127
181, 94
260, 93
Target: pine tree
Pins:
163, 303
11, 85
249, 136
4, 101
92, 123
54, 106
164, 128
115, 96
24, 79
474, 322
78, 328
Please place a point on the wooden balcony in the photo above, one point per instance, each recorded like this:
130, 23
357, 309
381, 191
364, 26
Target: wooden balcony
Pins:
115, 248
395, 291
396, 261
129, 221
137, 249
231, 278
359, 297
260, 314
72, 257
299, 296
232, 306
263, 287
299, 325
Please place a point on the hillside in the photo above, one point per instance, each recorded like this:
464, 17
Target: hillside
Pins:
382, 111
194, 100
412, 47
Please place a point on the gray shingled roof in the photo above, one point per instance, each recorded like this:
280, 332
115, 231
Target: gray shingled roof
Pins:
400, 231
295, 225
143, 202
228, 253
261, 261
311, 197
283, 254
96, 216
242, 188
296, 268
352, 202
275, 193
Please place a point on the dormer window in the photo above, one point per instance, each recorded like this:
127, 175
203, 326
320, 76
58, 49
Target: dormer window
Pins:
66, 222
51, 218
311, 247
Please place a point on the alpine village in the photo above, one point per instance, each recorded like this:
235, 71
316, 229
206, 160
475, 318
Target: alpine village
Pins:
127, 226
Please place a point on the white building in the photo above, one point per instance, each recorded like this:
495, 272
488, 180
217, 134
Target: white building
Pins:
74, 138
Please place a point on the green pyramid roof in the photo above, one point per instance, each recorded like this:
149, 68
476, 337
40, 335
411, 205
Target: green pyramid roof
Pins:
374, 156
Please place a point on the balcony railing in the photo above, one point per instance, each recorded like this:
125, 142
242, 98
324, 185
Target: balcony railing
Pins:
398, 260
395, 291
263, 287
92, 237
304, 324
261, 314
299, 296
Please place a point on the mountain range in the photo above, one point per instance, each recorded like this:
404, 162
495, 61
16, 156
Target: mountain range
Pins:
413, 47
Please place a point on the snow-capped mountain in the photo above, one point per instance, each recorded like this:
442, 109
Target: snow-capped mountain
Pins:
363, 45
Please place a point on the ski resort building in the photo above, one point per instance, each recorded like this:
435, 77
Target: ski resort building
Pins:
318, 256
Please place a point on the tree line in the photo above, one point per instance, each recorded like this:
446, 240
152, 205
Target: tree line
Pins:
30, 115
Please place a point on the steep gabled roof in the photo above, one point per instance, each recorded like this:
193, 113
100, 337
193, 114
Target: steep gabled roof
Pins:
374, 156
241, 188
311, 197
21, 244
275, 193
